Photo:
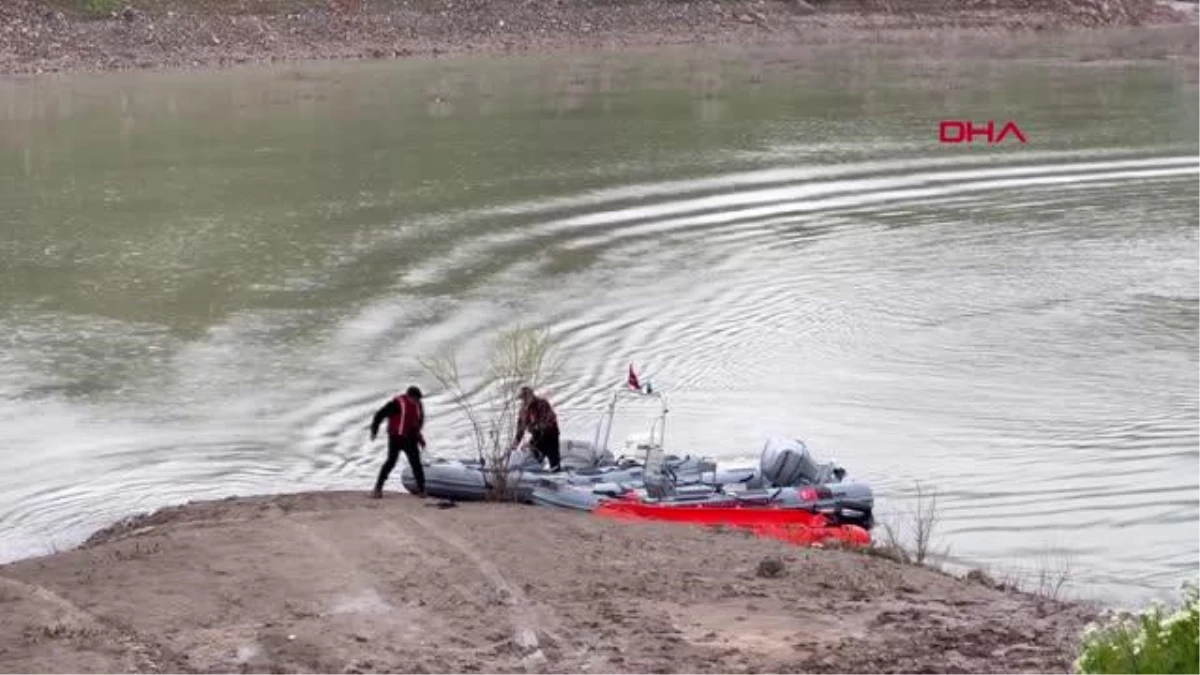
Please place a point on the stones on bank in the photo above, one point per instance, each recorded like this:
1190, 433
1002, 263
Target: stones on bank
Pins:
90, 35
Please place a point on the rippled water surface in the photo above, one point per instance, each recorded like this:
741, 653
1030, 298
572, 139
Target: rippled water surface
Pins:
209, 282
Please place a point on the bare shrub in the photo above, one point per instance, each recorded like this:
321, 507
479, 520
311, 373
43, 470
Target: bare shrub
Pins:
1052, 574
908, 537
519, 356
140, 550
924, 523
892, 548
1046, 579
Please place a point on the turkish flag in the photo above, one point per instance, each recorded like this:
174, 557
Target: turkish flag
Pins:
633, 380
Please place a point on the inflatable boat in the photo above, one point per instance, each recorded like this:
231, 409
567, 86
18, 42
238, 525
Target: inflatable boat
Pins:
786, 477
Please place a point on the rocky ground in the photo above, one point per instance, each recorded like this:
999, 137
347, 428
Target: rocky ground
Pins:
336, 582
88, 35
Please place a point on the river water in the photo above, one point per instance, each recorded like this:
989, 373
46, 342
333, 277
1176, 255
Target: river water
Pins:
208, 282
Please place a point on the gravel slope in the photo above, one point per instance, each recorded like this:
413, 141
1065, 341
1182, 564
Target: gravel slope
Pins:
336, 582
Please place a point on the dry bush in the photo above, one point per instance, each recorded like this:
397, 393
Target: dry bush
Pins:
1052, 574
891, 548
519, 357
1048, 578
909, 538
924, 522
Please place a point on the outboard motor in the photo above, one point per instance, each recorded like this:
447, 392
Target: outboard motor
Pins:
786, 463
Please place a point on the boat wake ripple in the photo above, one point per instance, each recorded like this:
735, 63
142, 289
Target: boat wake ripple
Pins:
1011, 329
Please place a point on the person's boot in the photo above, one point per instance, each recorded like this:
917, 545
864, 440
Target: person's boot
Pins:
377, 493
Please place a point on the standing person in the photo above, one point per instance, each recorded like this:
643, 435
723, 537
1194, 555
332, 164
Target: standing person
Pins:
538, 418
405, 416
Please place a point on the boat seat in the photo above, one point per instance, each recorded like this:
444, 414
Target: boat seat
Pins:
659, 488
655, 475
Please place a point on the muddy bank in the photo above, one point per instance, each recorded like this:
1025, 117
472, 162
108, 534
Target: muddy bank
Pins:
336, 582
38, 36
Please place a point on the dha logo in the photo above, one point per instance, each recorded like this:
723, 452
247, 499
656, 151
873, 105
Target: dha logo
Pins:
966, 131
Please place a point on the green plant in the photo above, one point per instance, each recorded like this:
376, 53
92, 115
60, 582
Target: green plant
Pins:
1150, 642
101, 7
519, 357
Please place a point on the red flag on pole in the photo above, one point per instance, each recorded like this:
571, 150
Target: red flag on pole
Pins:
633, 379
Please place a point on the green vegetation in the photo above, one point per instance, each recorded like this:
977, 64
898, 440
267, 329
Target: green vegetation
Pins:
101, 7
1151, 642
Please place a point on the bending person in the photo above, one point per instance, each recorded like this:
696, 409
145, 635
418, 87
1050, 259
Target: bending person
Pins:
538, 418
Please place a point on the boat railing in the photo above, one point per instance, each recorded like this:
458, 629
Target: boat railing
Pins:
604, 426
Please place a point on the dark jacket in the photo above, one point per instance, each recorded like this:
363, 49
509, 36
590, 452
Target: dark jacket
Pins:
537, 417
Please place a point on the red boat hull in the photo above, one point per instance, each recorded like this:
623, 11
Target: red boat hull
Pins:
794, 526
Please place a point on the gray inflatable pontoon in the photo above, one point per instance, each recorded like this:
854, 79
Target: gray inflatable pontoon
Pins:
469, 480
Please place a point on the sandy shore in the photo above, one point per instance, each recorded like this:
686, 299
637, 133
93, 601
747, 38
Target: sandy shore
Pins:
336, 582
44, 36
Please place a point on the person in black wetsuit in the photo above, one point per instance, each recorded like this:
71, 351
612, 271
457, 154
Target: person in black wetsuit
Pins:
405, 417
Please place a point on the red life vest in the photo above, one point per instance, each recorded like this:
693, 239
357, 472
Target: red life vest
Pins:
409, 420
